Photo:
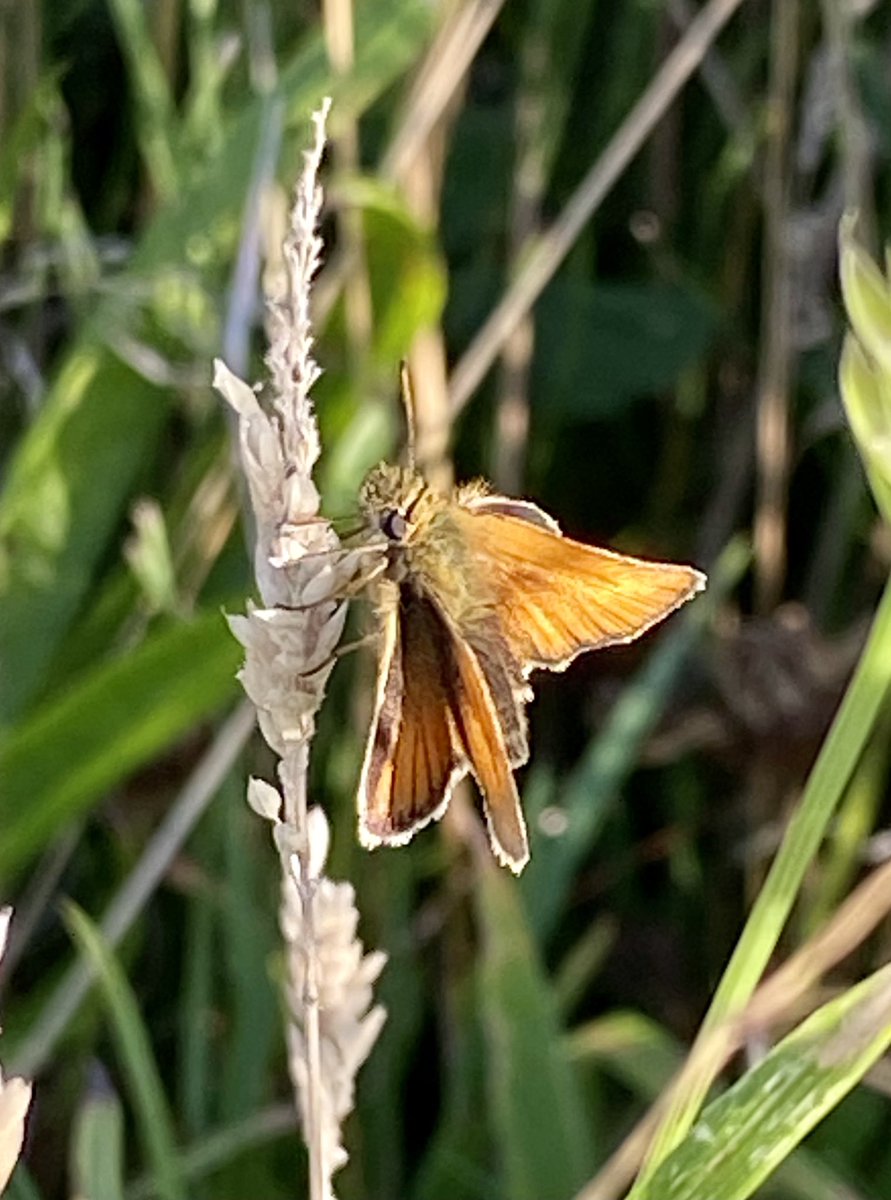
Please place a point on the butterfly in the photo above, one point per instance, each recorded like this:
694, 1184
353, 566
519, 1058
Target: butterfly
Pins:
476, 591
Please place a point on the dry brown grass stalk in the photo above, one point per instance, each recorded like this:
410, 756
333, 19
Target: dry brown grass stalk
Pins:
550, 248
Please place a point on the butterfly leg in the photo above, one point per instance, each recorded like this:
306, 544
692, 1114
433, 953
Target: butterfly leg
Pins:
355, 587
370, 639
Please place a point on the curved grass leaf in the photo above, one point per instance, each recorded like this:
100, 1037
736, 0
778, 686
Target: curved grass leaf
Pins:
825, 787
867, 298
643, 1056
742, 1137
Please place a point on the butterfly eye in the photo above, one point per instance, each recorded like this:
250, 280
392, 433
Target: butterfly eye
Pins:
394, 525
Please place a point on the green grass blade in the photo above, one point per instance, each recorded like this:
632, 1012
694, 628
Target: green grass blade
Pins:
72, 473
867, 295
67, 484
825, 787
389, 36
864, 372
155, 113
643, 1057
203, 101
867, 395
388, 902
197, 1005
221, 1147
744, 1136
535, 1101
21, 143
22, 1186
63, 760
457, 1159
97, 1145
247, 942
842, 855
153, 1119
633, 1048
554, 43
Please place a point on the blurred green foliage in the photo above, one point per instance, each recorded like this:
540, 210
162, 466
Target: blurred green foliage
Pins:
530, 1023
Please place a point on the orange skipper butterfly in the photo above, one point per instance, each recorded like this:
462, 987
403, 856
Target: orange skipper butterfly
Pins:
477, 591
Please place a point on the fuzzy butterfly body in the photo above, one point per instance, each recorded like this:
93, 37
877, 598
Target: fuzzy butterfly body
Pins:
477, 591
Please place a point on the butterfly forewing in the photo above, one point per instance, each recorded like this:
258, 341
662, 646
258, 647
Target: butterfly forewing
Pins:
555, 597
410, 761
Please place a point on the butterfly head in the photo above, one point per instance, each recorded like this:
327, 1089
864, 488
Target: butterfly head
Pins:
397, 501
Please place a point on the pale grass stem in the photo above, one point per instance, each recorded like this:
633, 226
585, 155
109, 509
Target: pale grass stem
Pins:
303, 576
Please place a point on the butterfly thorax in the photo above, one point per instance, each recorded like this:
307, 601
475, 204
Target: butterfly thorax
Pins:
426, 549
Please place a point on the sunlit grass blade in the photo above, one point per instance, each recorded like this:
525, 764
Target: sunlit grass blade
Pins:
842, 856
97, 1143
867, 295
744, 1135
825, 786
865, 367
65, 487
75, 748
140, 1070
542, 1130
641, 1055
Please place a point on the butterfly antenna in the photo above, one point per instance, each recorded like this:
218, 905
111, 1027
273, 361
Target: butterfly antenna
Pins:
408, 403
